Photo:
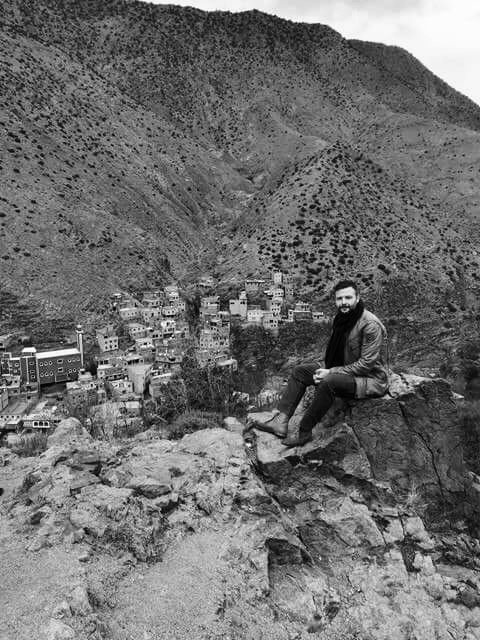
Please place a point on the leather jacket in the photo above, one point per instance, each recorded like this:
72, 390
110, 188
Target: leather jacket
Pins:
363, 356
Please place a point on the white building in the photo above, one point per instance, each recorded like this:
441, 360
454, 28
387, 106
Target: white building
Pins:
210, 339
319, 316
144, 343
254, 284
238, 306
136, 330
223, 362
270, 321
255, 315
129, 313
110, 372
3, 397
170, 311
150, 314
107, 342
122, 387
168, 326
275, 306
138, 374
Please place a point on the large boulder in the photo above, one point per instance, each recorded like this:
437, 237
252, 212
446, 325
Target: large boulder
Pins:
413, 439
409, 440
68, 431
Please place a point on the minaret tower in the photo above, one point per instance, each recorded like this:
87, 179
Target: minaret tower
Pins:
79, 332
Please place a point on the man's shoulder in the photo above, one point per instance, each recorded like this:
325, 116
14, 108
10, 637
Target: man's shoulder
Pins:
369, 318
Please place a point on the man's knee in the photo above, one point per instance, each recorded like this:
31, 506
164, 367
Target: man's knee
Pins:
340, 384
304, 372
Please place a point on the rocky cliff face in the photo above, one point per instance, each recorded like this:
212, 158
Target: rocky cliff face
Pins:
367, 532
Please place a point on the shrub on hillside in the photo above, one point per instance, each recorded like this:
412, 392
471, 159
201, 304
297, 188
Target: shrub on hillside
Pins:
210, 388
192, 421
29, 444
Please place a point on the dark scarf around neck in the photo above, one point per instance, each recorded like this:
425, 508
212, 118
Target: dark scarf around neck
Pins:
343, 323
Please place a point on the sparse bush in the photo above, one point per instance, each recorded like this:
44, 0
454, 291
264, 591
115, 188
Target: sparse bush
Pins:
191, 421
29, 444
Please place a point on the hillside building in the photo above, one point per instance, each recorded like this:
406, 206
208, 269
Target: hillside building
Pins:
136, 330
274, 306
213, 340
207, 282
239, 306
275, 292
129, 313
270, 321
3, 397
144, 343
85, 391
277, 277
254, 285
153, 299
301, 311
111, 371
107, 339
5, 358
223, 362
58, 365
255, 315
120, 388
170, 311
149, 315
320, 317
138, 374
210, 306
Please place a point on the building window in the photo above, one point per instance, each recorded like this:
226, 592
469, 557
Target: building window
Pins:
60, 369
59, 361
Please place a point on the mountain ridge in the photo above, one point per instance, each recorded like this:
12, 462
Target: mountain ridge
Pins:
198, 116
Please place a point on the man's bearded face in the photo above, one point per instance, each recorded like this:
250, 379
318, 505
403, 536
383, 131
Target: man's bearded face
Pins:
346, 299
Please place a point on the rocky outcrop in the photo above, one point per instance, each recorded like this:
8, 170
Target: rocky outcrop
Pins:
216, 535
409, 440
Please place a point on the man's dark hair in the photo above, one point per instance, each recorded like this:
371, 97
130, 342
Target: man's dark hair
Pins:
344, 284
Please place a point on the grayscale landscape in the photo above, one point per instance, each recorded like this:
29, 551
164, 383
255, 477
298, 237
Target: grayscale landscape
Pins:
179, 191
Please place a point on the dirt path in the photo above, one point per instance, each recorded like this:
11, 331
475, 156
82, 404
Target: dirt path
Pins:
178, 598
31, 584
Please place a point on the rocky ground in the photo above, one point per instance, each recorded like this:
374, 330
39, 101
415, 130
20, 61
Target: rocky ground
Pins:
368, 532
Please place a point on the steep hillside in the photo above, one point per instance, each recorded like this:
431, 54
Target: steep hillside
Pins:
164, 129
339, 212
95, 189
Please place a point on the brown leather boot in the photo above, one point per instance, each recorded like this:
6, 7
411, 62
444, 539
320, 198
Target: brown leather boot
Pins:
277, 425
297, 441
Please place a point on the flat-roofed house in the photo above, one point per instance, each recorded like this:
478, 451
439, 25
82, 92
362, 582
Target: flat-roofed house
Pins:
107, 338
58, 365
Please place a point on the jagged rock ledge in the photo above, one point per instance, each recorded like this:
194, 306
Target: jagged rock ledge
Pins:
407, 443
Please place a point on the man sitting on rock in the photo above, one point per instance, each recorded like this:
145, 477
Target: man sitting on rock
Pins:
353, 368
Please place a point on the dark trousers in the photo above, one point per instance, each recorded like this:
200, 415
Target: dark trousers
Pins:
332, 386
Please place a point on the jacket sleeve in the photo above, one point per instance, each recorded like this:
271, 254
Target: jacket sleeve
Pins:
369, 355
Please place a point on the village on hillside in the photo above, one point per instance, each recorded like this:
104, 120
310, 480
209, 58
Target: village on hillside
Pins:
136, 354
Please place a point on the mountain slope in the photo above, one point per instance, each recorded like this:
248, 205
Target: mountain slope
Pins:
180, 128
338, 212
